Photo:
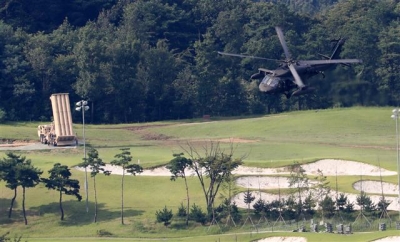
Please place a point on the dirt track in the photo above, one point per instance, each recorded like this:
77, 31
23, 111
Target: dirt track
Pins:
31, 146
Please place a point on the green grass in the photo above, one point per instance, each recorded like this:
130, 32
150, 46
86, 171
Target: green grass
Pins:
246, 236
359, 134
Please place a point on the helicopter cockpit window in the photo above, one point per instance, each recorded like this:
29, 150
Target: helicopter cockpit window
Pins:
270, 81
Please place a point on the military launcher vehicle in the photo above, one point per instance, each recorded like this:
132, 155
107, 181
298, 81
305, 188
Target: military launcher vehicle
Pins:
59, 132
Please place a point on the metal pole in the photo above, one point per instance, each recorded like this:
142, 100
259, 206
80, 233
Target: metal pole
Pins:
84, 156
396, 117
398, 163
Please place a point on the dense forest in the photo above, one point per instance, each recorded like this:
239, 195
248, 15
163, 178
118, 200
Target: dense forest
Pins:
137, 60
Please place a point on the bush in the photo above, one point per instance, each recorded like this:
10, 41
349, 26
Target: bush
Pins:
259, 206
225, 209
103, 233
328, 207
164, 216
181, 211
196, 214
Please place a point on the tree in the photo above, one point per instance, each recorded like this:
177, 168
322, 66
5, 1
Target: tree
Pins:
248, 198
228, 210
164, 216
123, 159
27, 176
259, 206
299, 181
365, 202
309, 205
95, 164
388, 71
18, 171
327, 206
8, 173
216, 165
197, 214
60, 181
341, 201
322, 189
383, 204
177, 167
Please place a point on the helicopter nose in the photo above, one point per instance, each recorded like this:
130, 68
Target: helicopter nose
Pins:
264, 87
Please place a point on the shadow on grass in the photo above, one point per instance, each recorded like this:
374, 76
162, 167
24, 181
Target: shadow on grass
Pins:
5, 204
4, 208
75, 212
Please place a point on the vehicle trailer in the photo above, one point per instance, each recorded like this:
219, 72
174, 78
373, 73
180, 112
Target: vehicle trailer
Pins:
59, 132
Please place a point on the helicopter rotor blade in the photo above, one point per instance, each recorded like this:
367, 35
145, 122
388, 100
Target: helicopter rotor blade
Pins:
327, 62
283, 42
296, 76
246, 56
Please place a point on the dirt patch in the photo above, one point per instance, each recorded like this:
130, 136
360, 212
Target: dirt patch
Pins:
15, 143
151, 136
141, 127
237, 140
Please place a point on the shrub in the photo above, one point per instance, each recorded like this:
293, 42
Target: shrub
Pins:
196, 214
181, 211
327, 206
259, 206
103, 233
164, 216
225, 209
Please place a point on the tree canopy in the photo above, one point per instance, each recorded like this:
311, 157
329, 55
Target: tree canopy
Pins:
152, 60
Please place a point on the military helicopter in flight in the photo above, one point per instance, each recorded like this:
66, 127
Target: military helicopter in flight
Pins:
287, 78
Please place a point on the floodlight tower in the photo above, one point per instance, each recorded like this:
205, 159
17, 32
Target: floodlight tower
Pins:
395, 116
81, 106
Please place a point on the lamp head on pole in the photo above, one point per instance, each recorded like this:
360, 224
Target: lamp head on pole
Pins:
80, 105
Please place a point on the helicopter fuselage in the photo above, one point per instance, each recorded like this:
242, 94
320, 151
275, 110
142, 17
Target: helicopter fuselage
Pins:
281, 79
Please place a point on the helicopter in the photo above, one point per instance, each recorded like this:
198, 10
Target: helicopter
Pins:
288, 77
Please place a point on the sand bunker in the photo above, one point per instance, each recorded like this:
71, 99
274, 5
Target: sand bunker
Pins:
302, 239
283, 239
377, 187
264, 182
329, 167
388, 239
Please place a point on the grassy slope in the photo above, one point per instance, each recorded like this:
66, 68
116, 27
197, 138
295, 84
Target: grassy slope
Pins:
362, 134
